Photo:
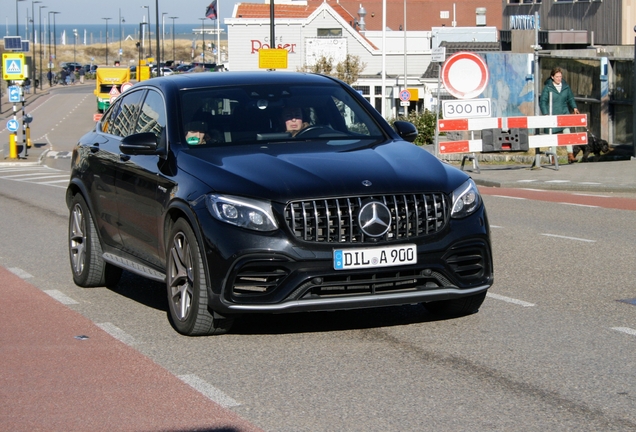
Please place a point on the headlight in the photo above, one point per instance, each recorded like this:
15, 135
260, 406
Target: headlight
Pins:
243, 212
466, 200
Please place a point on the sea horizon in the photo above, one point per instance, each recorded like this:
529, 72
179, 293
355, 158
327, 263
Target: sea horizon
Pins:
89, 34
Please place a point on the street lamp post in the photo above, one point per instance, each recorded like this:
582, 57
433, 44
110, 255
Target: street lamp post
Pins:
163, 35
17, 22
174, 57
149, 31
51, 56
33, 27
33, 70
158, 59
41, 41
74, 45
106, 19
121, 34
54, 37
203, 36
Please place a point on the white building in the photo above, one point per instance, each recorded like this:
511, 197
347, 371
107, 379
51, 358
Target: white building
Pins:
309, 31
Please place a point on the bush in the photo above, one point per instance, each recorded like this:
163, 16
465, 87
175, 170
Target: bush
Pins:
425, 124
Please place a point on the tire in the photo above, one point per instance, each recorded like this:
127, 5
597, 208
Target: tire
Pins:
186, 286
85, 250
456, 307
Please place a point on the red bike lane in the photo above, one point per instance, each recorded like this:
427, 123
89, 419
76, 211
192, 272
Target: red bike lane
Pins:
580, 198
55, 379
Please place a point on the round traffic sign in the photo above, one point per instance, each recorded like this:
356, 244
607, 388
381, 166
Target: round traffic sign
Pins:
405, 95
13, 125
125, 86
465, 75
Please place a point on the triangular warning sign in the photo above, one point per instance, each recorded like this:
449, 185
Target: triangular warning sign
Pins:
13, 68
113, 91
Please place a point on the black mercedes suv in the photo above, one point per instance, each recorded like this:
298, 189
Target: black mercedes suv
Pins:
197, 181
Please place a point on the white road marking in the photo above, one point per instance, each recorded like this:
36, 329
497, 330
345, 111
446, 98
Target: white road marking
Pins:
579, 205
592, 195
47, 177
209, 391
510, 300
568, 238
504, 196
117, 333
20, 273
61, 297
627, 330
32, 174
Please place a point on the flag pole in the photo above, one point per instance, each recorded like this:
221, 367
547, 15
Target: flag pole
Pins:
218, 32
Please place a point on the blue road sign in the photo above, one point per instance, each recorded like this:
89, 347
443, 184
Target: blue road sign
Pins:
14, 94
13, 125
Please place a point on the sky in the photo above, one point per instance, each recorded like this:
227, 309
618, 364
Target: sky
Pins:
92, 11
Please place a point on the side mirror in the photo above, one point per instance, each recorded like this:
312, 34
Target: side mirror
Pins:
144, 143
406, 130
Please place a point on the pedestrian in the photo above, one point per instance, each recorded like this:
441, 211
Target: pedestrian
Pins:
557, 99
63, 76
82, 72
49, 76
27, 85
71, 74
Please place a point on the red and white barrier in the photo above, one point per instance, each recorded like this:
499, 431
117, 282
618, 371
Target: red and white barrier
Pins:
505, 123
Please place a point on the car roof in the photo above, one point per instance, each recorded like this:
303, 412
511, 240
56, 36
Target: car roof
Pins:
207, 79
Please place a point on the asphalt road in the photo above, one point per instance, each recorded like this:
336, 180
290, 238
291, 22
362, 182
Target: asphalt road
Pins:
553, 347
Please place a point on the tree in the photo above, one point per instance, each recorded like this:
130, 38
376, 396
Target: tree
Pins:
324, 65
348, 70
425, 124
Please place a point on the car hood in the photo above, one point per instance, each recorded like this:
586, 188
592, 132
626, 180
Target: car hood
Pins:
280, 172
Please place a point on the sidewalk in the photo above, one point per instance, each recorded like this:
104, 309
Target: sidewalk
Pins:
62, 372
604, 176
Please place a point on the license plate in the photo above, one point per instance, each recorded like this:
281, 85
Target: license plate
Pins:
359, 258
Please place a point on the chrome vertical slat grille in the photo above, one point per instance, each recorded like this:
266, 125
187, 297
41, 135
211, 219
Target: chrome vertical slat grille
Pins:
335, 220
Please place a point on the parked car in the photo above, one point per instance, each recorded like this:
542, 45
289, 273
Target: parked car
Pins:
194, 181
165, 71
75, 67
183, 67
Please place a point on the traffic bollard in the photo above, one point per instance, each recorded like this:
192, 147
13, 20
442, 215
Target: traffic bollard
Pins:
13, 147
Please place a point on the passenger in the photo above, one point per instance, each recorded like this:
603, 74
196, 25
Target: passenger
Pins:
199, 134
293, 118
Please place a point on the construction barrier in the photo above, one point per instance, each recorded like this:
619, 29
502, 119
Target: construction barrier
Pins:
511, 133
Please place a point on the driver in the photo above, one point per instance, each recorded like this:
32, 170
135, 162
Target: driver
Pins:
293, 118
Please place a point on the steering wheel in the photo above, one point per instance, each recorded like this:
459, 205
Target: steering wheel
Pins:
314, 128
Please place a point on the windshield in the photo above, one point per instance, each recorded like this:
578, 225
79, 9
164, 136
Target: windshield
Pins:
255, 113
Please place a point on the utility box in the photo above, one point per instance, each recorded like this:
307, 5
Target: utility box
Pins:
497, 140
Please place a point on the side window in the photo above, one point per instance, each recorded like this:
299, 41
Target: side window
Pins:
352, 117
353, 123
153, 115
123, 115
110, 115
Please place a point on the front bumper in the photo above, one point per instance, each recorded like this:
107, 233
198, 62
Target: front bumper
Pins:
282, 276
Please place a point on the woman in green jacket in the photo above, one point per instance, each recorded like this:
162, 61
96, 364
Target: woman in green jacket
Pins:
562, 102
